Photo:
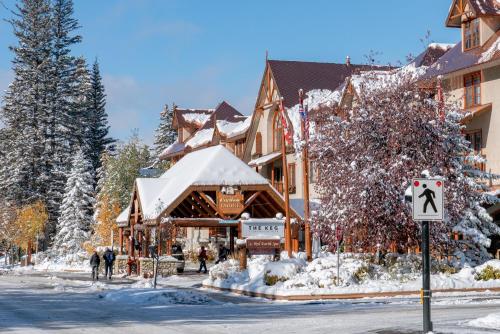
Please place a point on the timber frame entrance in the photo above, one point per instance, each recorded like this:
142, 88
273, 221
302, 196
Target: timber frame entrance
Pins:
201, 206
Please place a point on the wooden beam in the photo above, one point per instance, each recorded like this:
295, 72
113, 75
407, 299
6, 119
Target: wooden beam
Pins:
250, 200
182, 209
195, 206
212, 204
201, 201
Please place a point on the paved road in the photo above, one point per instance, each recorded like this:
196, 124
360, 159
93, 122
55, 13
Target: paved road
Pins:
68, 303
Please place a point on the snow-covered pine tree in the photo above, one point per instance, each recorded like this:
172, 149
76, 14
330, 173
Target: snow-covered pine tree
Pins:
165, 135
368, 155
82, 107
26, 107
74, 222
63, 124
99, 139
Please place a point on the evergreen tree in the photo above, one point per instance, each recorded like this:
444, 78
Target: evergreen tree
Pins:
62, 121
27, 105
74, 223
98, 136
82, 107
165, 135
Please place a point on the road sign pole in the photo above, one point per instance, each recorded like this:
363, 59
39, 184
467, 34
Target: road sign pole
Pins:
426, 277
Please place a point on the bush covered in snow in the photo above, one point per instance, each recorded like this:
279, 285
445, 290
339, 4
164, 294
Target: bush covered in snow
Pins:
357, 273
488, 271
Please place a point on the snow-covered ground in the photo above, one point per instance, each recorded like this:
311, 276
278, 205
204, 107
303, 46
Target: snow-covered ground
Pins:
38, 302
357, 275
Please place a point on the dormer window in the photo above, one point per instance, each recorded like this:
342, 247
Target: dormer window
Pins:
471, 34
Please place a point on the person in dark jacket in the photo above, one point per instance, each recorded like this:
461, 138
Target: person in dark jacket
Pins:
109, 259
202, 257
95, 261
222, 254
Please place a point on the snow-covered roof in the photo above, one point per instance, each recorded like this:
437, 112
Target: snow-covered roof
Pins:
123, 216
201, 137
264, 159
210, 166
174, 148
456, 59
197, 118
313, 99
233, 129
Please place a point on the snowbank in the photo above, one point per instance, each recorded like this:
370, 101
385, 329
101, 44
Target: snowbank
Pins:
358, 274
70, 262
490, 321
157, 297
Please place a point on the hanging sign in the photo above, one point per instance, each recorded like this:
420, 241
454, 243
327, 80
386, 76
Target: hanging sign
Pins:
230, 204
428, 199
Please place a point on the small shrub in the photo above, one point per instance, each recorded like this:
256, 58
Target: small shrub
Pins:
362, 273
272, 279
487, 274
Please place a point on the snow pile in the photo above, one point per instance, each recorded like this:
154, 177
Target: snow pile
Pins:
157, 297
359, 273
69, 262
490, 321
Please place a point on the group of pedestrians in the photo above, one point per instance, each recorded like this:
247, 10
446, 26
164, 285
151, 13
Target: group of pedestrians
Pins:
109, 260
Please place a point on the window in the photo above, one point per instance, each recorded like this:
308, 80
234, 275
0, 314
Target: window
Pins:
258, 143
472, 87
291, 178
313, 172
277, 132
471, 34
475, 139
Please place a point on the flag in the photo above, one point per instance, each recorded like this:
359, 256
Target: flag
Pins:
285, 122
305, 120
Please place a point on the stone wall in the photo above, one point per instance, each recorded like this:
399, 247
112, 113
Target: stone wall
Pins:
121, 264
166, 267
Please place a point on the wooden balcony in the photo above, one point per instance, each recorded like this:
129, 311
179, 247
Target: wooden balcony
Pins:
280, 187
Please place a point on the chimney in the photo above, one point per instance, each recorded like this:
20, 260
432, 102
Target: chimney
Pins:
348, 61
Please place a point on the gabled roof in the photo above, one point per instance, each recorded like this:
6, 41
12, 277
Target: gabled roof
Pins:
456, 59
223, 112
471, 9
290, 76
485, 7
210, 166
432, 53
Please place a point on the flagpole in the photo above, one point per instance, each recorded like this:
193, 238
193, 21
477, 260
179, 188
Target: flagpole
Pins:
288, 229
305, 178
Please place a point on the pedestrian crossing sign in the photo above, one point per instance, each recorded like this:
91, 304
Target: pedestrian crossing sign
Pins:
428, 199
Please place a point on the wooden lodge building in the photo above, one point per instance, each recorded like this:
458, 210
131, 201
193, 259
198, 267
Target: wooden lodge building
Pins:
222, 154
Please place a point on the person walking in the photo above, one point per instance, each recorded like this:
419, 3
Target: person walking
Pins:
202, 257
109, 259
222, 254
95, 261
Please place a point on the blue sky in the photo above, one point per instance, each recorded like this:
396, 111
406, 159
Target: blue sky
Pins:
197, 53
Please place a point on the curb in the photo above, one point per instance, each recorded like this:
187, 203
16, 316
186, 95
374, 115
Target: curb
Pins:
342, 295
